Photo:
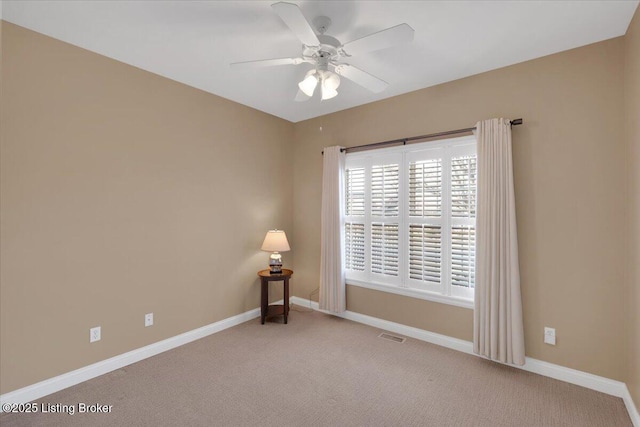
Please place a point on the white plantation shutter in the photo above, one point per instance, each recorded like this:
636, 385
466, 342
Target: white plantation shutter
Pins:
354, 192
425, 211
425, 252
354, 246
463, 219
463, 187
385, 187
384, 249
355, 210
385, 208
463, 262
425, 188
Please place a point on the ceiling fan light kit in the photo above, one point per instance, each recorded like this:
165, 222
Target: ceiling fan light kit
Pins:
327, 54
328, 80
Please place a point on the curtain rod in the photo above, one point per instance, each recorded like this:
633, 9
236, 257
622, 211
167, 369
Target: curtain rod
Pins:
404, 141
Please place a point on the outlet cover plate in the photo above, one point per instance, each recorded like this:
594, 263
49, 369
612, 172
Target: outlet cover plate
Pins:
549, 336
148, 319
95, 334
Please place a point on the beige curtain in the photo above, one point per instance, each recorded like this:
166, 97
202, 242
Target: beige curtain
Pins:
332, 275
497, 330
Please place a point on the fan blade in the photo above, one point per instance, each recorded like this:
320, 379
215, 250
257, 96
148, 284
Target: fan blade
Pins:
295, 20
362, 78
301, 96
268, 62
402, 33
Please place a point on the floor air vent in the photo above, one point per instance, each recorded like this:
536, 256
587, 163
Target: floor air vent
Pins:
391, 337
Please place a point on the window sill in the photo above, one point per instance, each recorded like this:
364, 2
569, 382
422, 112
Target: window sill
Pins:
414, 293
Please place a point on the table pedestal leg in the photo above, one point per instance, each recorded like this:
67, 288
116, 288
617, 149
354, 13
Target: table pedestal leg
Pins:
264, 300
286, 299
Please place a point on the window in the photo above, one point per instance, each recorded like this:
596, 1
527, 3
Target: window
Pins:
410, 220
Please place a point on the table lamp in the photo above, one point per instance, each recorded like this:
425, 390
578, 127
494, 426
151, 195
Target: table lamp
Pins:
275, 241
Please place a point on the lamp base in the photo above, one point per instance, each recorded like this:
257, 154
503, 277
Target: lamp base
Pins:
275, 263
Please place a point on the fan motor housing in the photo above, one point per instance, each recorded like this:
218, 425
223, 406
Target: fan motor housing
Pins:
328, 48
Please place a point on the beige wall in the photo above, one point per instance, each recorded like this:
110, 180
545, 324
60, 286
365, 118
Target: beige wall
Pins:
124, 193
568, 160
632, 129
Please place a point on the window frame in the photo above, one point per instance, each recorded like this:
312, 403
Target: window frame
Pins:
402, 284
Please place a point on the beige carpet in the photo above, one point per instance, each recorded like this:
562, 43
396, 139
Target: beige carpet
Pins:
320, 370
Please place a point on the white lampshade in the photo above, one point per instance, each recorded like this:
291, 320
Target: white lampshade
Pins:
275, 241
308, 85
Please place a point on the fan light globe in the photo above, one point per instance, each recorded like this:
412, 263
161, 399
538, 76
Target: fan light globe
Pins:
328, 93
331, 81
308, 85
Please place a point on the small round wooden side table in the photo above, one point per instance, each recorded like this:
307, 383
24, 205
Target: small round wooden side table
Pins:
267, 310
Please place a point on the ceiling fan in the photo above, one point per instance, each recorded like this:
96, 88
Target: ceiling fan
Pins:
327, 54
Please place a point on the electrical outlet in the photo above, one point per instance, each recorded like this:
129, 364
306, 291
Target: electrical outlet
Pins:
94, 334
549, 336
148, 319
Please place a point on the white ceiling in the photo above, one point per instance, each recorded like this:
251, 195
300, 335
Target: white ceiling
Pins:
194, 42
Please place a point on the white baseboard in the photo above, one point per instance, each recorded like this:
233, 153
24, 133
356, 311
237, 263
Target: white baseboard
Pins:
631, 407
572, 376
52, 385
